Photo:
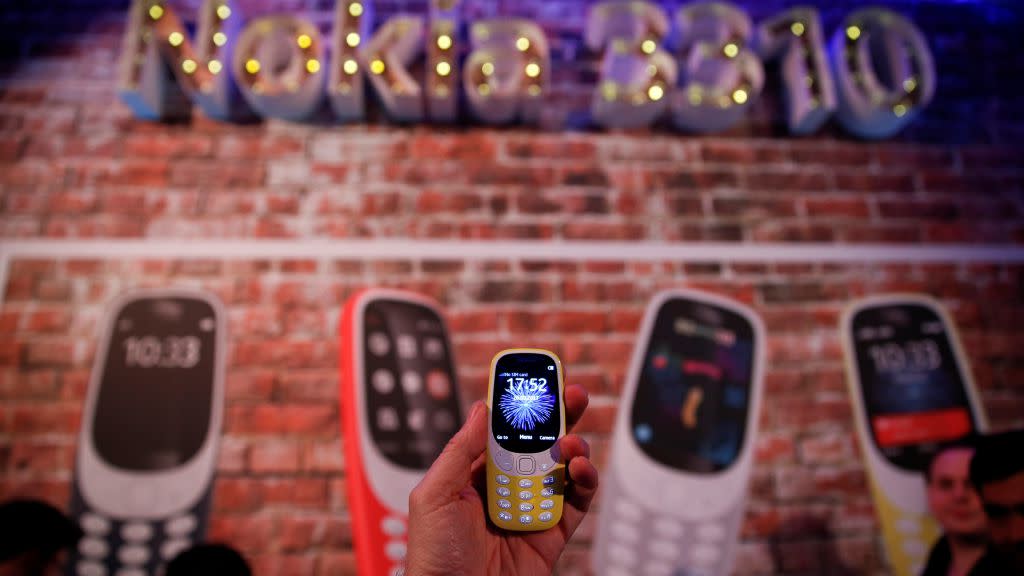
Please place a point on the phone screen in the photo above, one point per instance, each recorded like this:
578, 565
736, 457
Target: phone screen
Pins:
412, 407
525, 414
914, 397
156, 389
693, 395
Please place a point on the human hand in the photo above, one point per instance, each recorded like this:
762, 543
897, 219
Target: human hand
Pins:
449, 532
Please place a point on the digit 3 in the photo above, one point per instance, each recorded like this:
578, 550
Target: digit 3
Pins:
690, 407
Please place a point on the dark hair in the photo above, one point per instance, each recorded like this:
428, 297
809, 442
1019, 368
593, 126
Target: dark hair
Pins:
965, 443
34, 526
997, 457
208, 560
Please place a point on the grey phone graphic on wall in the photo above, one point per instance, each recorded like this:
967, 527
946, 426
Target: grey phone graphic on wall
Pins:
682, 447
150, 430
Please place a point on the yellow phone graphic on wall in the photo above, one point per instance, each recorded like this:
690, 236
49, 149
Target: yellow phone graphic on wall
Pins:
912, 393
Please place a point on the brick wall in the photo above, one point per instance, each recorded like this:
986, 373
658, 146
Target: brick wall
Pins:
74, 164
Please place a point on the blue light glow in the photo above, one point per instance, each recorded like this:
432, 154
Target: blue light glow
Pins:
525, 404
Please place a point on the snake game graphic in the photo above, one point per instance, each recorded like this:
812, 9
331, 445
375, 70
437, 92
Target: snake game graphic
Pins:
690, 410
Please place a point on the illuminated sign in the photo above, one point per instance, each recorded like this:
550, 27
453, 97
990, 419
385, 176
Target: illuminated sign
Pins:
701, 69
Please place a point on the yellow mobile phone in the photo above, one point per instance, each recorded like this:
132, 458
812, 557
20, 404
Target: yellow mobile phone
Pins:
525, 473
912, 393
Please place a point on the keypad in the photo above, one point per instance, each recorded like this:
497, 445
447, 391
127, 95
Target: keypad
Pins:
643, 542
705, 554
395, 551
172, 548
95, 524
711, 532
133, 555
664, 549
393, 526
525, 501
527, 465
383, 381
504, 492
92, 548
181, 525
91, 569
137, 532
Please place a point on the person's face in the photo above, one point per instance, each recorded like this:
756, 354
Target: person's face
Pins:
951, 497
1004, 504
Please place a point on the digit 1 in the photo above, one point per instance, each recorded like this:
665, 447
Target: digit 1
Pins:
795, 39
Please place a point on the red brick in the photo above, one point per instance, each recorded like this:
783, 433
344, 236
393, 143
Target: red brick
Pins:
269, 456
473, 146
472, 321
73, 202
168, 145
863, 181
837, 207
336, 564
49, 353
323, 456
315, 385
42, 419
253, 385
11, 353
232, 455
40, 460
774, 447
28, 384
295, 492
241, 146
248, 533
48, 320
232, 494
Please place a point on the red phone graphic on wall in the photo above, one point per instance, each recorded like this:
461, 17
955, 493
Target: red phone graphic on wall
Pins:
147, 450
399, 407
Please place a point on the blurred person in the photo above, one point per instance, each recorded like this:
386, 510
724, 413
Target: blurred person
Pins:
33, 536
963, 548
997, 472
208, 560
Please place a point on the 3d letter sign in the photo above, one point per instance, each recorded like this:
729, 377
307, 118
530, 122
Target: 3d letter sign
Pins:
700, 69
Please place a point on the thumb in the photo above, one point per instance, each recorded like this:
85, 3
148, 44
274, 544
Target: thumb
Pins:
452, 470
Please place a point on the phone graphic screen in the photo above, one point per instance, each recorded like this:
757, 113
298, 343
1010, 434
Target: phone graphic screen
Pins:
525, 414
156, 389
693, 393
914, 395
412, 407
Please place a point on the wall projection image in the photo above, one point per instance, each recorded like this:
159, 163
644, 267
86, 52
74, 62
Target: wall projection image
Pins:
151, 424
683, 442
913, 392
400, 405
719, 387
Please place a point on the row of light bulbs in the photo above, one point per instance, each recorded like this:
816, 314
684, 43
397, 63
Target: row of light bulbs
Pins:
695, 95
